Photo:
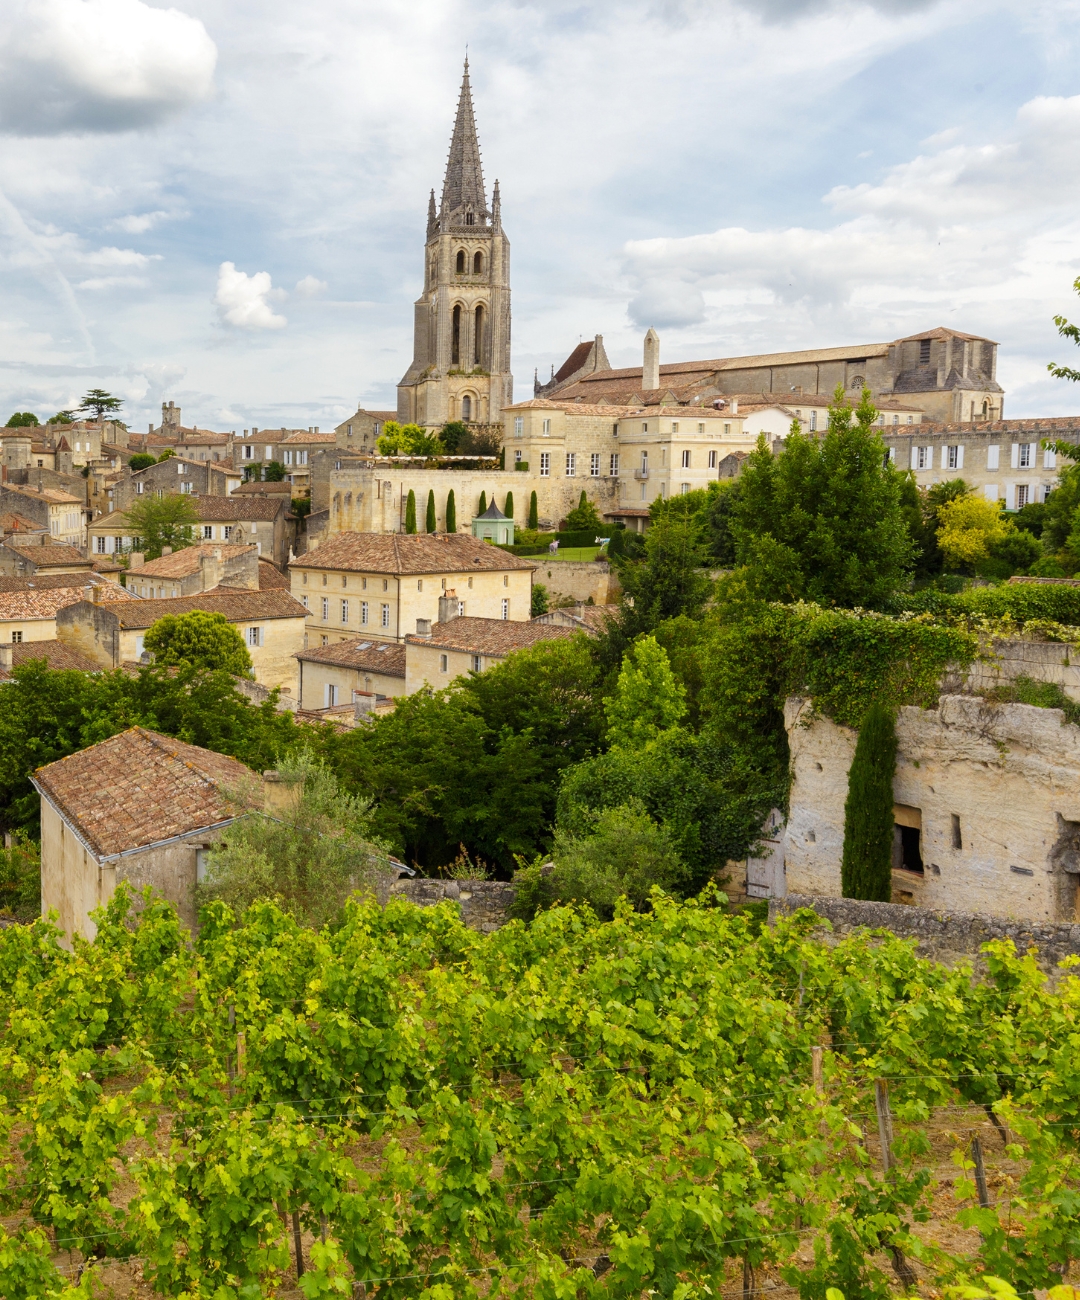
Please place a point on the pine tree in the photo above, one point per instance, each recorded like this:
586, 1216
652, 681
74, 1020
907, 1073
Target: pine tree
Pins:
451, 512
483, 503
534, 514
429, 522
866, 868
508, 509
410, 512
583, 499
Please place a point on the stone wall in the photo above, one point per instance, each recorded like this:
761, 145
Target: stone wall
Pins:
578, 580
992, 791
1044, 661
943, 935
485, 904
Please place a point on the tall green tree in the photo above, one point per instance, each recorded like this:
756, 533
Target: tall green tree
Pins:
534, 516
824, 520
200, 639
483, 503
866, 866
451, 512
141, 460
162, 521
1071, 332
455, 437
273, 472
22, 420
647, 698
410, 512
100, 404
429, 520
508, 508
62, 417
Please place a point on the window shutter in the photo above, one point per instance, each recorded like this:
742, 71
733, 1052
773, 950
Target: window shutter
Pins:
914, 456
992, 457
1015, 458
960, 456
944, 458
1049, 458
1010, 494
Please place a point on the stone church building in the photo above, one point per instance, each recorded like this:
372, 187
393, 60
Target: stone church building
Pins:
461, 333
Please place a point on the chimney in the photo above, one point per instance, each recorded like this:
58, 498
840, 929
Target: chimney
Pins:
89, 593
448, 606
650, 373
7, 657
209, 570
734, 406
137, 559
166, 550
279, 795
423, 627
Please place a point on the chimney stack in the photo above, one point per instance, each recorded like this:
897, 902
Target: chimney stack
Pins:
137, 560
423, 627
7, 657
448, 606
650, 373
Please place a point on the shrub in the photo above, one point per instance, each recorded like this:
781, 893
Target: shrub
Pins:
584, 518
866, 867
521, 465
508, 509
200, 639
141, 460
539, 603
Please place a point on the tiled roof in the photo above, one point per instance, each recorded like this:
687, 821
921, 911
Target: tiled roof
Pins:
489, 636
52, 553
47, 581
55, 653
1054, 425
561, 403
12, 523
271, 578
237, 606
308, 435
52, 495
102, 564
244, 509
941, 332
182, 563
371, 656
574, 361
38, 603
140, 788
260, 489
408, 553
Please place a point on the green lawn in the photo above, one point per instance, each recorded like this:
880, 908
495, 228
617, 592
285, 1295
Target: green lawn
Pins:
571, 553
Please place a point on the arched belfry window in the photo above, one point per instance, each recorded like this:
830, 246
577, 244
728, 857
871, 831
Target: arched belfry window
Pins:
460, 260
455, 337
477, 263
468, 217
466, 407
478, 336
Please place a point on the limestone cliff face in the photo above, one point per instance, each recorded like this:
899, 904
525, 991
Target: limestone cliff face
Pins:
989, 795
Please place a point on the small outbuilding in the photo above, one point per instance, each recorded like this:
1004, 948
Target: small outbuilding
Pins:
494, 526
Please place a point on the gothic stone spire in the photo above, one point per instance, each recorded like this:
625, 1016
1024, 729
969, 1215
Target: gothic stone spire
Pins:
463, 199
432, 218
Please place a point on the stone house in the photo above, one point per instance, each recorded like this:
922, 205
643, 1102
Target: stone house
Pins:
987, 808
30, 614
176, 474
60, 512
270, 622
139, 807
23, 556
362, 430
291, 448
195, 569
338, 673
265, 522
378, 584
456, 646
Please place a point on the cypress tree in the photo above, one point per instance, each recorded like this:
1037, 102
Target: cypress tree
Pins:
483, 503
534, 515
583, 500
866, 868
429, 522
508, 511
451, 512
410, 512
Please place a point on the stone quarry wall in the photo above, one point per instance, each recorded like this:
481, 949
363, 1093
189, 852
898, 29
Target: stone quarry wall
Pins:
578, 580
1007, 659
485, 904
997, 789
943, 935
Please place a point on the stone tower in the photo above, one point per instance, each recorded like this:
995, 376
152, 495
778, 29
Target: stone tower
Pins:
461, 335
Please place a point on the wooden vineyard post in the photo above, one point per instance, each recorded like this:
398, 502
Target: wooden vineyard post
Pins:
747, 1278
980, 1172
241, 1053
817, 1069
297, 1244
901, 1267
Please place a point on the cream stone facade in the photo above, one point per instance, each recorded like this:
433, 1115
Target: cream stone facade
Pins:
338, 673
987, 808
379, 587
456, 646
63, 513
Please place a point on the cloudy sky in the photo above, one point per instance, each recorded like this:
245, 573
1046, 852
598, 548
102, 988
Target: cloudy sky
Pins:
222, 203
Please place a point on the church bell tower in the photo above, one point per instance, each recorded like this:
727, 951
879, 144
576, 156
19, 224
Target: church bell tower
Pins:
461, 335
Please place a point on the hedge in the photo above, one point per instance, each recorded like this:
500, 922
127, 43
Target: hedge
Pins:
1023, 601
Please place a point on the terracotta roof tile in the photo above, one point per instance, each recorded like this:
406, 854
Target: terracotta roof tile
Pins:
182, 563
47, 581
53, 495
271, 578
496, 637
308, 435
237, 606
57, 655
373, 656
37, 604
52, 553
140, 788
405, 553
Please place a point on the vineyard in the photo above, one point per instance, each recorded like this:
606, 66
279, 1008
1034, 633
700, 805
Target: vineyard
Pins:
667, 1104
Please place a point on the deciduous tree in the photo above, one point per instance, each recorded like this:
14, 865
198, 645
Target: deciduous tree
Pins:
23, 420
647, 698
162, 521
199, 639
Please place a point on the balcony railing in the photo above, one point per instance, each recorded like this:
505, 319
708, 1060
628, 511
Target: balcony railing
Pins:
641, 474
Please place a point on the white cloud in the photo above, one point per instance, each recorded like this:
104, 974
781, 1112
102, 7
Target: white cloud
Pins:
98, 65
139, 223
241, 299
310, 287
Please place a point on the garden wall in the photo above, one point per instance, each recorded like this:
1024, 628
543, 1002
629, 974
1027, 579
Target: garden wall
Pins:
485, 904
578, 580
